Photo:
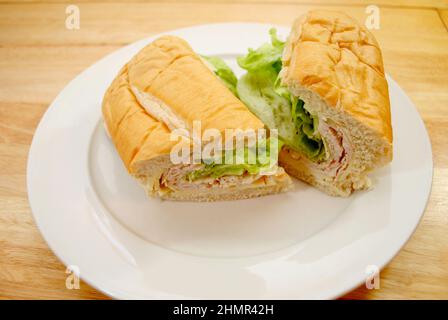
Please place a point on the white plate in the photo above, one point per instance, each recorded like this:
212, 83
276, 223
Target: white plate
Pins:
302, 244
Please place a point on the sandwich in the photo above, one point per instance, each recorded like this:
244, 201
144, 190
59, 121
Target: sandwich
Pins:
151, 110
325, 91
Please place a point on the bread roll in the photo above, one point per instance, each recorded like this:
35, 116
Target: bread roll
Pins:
335, 66
166, 86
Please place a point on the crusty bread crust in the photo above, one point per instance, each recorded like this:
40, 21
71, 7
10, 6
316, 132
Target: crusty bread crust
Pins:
179, 78
136, 135
332, 55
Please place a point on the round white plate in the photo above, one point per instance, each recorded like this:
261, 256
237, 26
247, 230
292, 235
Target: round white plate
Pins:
302, 244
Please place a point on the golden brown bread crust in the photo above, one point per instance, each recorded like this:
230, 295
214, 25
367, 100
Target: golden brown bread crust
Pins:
332, 55
136, 135
170, 71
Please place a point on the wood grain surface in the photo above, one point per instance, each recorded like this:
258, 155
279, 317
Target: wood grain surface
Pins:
39, 56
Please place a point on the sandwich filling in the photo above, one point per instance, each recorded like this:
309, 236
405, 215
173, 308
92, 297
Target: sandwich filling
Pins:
178, 178
257, 164
260, 89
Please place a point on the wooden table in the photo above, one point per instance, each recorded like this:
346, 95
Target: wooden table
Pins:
39, 56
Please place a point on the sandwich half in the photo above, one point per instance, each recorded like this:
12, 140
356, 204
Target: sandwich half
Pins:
325, 91
164, 89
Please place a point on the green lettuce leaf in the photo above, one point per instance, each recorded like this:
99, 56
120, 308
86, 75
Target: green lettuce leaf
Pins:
261, 91
268, 56
223, 71
216, 170
219, 170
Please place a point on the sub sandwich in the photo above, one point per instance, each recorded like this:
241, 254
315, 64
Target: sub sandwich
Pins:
325, 91
164, 89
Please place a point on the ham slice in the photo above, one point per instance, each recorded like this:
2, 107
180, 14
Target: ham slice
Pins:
175, 178
338, 152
